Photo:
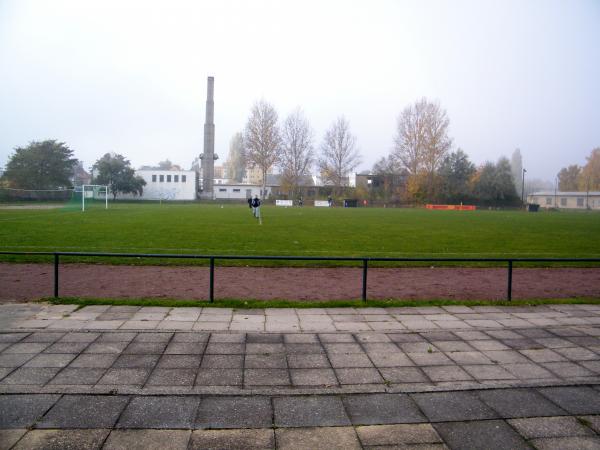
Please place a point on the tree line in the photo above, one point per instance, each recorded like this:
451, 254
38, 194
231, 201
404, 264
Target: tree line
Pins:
50, 165
581, 178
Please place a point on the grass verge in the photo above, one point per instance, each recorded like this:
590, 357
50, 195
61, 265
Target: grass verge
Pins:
252, 304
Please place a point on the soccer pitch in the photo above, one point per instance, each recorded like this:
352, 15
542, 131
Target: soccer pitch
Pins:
309, 231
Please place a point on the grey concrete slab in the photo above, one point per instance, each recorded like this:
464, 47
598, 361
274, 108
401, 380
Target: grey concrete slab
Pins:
317, 438
399, 436
125, 376
343, 360
395, 359
264, 338
294, 349
153, 337
403, 375
235, 412
67, 347
118, 336
488, 372
358, 375
147, 440
309, 411
266, 377
172, 377
179, 362
429, 359
26, 347
22, 410
222, 362
308, 361
98, 361
567, 370
313, 377
174, 412
303, 338
453, 406
528, 371
84, 411
115, 347
75, 336
44, 337
224, 349
62, 440
567, 443
145, 348
50, 360
15, 360
371, 409
482, 435
190, 337
12, 337
8, 438
31, 375
446, 373
185, 348
547, 427
243, 439
576, 399
219, 377
136, 361
268, 361
82, 376
511, 403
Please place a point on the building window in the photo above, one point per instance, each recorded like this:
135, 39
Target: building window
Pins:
236, 190
548, 200
161, 178
183, 177
154, 178
168, 178
176, 178
579, 201
222, 190
563, 201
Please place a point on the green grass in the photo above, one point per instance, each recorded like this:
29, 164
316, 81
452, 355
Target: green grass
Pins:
234, 303
230, 230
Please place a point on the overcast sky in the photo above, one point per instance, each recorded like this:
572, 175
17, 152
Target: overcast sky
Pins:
130, 76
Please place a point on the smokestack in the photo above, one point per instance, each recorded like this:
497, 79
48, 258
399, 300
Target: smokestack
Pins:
209, 157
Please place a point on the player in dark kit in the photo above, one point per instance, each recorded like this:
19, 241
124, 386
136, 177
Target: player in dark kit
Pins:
256, 207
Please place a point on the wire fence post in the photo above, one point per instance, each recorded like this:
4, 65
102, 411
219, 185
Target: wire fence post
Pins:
56, 275
211, 285
509, 290
364, 280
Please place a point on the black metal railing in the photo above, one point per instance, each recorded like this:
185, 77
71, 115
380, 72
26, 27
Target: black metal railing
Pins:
365, 263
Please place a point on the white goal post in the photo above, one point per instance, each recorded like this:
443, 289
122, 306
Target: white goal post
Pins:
101, 188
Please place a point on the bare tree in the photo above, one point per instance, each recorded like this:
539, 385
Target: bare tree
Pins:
236, 160
262, 140
339, 155
422, 140
297, 155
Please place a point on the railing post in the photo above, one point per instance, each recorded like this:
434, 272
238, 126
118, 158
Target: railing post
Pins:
364, 279
56, 275
211, 285
509, 290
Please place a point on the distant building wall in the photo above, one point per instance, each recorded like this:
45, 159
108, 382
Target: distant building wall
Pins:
566, 200
166, 185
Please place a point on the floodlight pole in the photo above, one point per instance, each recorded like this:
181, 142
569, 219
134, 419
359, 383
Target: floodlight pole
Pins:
523, 188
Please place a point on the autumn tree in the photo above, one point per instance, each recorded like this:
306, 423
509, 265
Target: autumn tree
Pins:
589, 179
115, 171
236, 160
493, 183
262, 139
297, 154
339, 155
568, 178
41, 165
421, 141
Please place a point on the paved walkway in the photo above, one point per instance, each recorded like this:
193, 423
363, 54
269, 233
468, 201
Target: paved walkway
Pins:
420, 378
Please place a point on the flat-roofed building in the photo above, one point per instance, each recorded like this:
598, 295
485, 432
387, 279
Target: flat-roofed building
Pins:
566, 200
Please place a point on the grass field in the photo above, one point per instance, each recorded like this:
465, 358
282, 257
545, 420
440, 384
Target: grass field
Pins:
231, 229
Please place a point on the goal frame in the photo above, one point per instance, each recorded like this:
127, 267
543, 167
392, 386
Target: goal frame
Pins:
94, 185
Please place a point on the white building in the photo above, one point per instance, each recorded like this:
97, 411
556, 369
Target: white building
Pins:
166, 185
238, 191
566, 200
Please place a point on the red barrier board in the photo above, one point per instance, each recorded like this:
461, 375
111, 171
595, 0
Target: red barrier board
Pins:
453, 207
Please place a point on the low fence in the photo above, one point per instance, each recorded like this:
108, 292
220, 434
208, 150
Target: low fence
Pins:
363, 260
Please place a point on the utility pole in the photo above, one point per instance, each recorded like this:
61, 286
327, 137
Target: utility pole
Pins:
523, 188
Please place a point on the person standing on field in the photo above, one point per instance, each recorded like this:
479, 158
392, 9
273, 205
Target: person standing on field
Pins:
256, 206
250, 203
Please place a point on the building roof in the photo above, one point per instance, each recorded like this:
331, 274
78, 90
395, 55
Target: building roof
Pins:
565, 193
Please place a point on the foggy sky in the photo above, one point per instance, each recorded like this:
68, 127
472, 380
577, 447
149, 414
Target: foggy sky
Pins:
130, 76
